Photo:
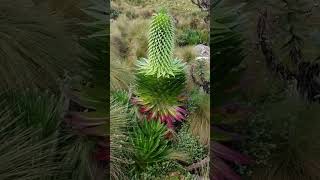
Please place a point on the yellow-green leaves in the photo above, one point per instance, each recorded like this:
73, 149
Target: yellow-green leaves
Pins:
160, 47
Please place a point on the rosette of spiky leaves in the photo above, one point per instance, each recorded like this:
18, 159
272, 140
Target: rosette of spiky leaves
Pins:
149, 144
159, 98
25, 156
36, 48
160, 48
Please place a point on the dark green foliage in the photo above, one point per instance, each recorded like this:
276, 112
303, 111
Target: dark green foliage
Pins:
30, 136
290, 137
41, 111
227, 57
114, 13
150, 145
23, 157
78, 159
161, 170
155, 90
41, 114
192, 37
228, 53
121, 96
94, 42
83, 147
36, 49
189, 144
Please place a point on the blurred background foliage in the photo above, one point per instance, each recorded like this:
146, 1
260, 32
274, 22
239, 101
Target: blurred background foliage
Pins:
273, 101
44, 53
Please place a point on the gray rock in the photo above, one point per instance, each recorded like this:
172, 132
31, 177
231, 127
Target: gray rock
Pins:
202, 50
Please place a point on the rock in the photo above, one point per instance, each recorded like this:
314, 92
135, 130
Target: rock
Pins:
202, 50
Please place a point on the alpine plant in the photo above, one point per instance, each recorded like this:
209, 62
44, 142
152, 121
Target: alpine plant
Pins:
160, 79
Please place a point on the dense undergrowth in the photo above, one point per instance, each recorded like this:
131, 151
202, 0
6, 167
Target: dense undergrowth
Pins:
44, 53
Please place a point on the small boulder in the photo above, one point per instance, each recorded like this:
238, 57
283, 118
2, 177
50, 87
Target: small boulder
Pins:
202, 50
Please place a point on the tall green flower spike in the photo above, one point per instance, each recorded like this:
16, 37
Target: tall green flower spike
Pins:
160, 48
160, 79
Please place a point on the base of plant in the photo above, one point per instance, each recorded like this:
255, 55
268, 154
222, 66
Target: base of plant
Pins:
169, 116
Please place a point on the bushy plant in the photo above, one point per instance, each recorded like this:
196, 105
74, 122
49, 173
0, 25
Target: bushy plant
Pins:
148, 140
40, 110
189, 144
288, 129
114, 13
150, 145
38, 53
23, 157
192, 37
164, 169
160, 79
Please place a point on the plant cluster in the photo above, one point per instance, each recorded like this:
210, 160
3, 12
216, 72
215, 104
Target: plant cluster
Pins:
192, 37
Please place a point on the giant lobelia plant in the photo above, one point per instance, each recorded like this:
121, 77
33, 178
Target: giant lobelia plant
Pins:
160, 79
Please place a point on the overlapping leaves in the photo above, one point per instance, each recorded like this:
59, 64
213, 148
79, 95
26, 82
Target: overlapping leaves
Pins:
150, 145
35, 48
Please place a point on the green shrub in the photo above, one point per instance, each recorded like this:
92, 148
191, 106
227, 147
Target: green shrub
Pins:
23, 156
114, 13
189, 144
150, 145
38, 110
163, 169
192, 37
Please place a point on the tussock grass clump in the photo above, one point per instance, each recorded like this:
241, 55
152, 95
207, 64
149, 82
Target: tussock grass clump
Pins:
128, 39
185, 53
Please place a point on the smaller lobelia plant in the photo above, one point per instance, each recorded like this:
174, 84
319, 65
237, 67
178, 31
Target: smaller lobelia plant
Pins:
160, 79
149, 144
